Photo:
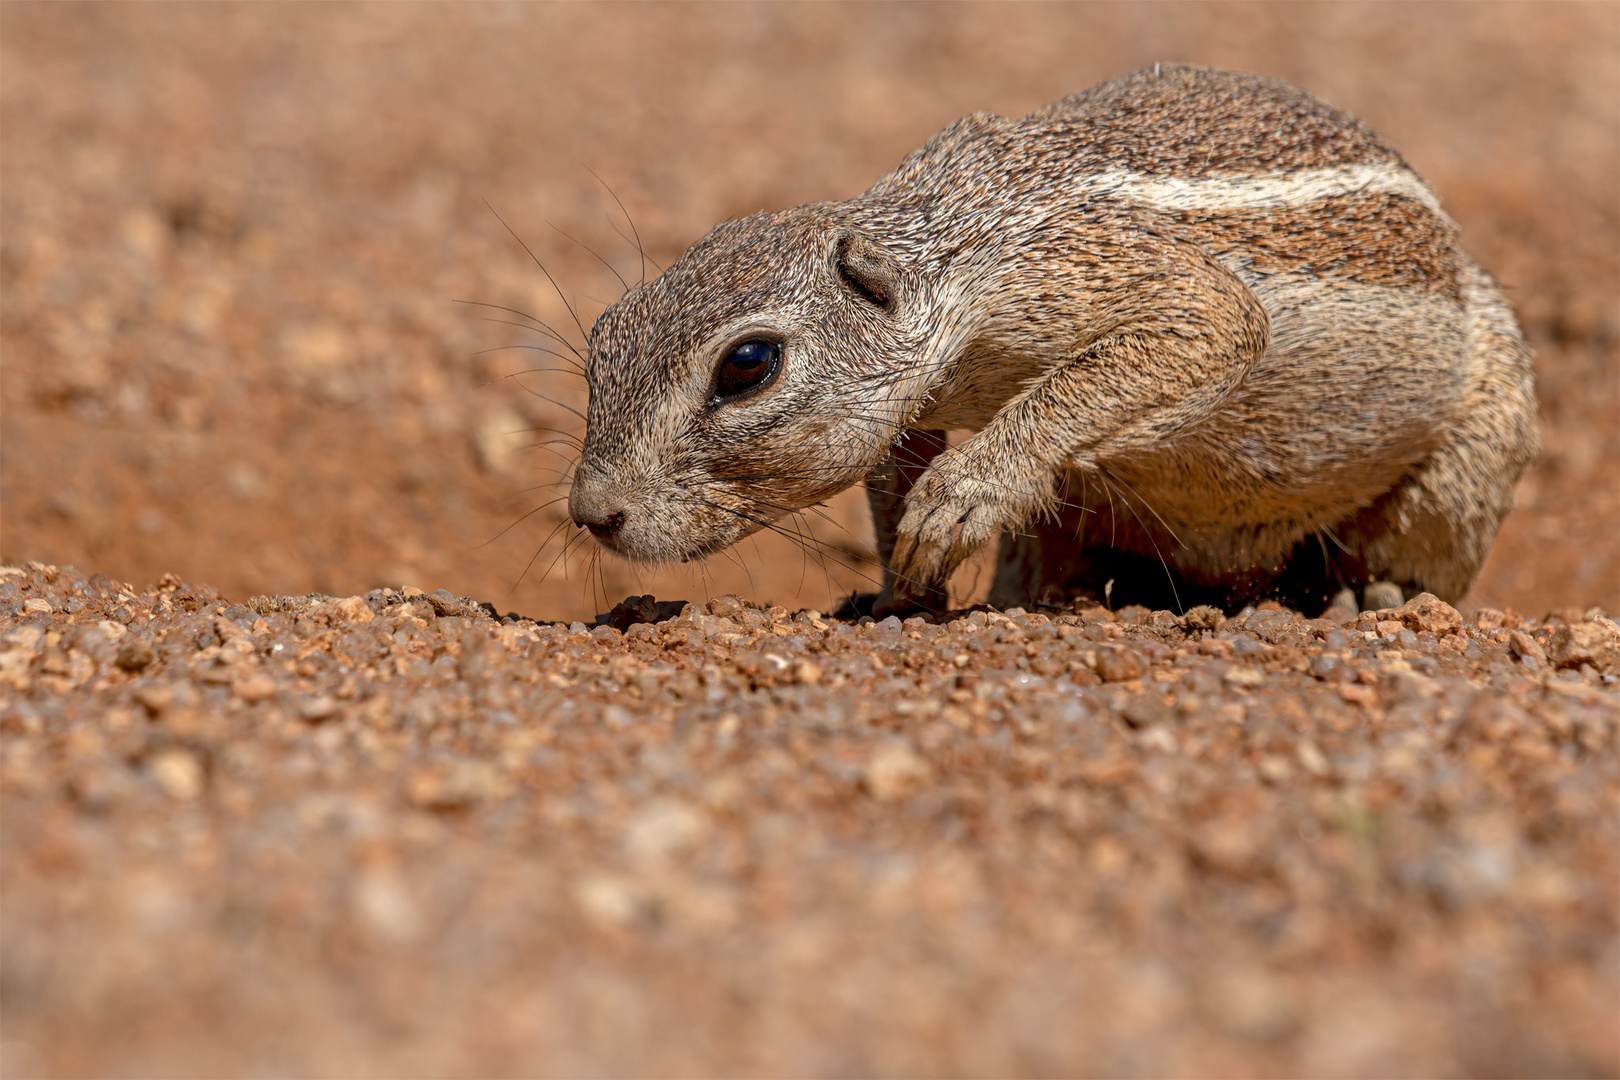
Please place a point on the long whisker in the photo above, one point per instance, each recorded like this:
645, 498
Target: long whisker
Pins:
814, 472
509, 310
584, 335
552, 400
561, 473
818, 547
1148, 506
549, 536
545, 330
544, 486
521, 520
598, 258
802, 523
568, 437
567, 543
640, 250
867, 548
538, 325
573, 369
1169, 576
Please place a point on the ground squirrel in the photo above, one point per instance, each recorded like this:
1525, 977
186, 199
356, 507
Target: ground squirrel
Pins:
1213, 339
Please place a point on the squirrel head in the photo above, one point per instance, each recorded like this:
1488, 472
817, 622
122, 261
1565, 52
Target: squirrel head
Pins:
768, 368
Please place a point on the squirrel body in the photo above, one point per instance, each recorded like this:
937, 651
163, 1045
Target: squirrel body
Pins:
1213, 339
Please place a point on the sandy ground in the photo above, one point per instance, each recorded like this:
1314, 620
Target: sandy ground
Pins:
234, 238
393, 835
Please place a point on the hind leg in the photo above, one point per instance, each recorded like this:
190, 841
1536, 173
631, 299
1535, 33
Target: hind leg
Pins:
1431, 532
1434, 529
1051, 563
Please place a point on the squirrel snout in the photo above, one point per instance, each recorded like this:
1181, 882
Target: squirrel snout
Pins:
593, 508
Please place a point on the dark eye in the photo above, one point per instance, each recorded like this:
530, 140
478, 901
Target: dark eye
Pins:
748, 366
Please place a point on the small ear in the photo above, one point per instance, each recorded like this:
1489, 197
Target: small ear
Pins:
870, 273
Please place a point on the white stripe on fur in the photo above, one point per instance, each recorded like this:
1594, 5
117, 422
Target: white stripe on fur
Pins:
1263, 191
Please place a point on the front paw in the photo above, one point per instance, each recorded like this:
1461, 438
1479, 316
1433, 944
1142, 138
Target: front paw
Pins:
955, 508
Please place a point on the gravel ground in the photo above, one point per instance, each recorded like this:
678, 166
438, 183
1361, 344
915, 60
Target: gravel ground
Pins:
395, 834
232, 238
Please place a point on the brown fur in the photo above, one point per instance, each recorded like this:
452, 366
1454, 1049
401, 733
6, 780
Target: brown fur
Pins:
1213, 339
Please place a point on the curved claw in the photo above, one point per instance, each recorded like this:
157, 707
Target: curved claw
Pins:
952, 511
928, 548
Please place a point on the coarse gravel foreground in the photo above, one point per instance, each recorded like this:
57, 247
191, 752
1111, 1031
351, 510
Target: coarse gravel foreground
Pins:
394, 834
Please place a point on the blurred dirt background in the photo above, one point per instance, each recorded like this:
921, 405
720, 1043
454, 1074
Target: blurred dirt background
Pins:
234, 237
391, 835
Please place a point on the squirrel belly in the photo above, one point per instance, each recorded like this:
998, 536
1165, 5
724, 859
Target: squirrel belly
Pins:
1213, 340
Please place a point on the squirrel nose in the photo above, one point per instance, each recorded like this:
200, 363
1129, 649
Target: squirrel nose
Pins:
594, 506
601, 528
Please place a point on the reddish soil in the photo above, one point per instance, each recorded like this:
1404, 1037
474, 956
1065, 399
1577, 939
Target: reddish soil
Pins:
234, 239
393, 835
390, 835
